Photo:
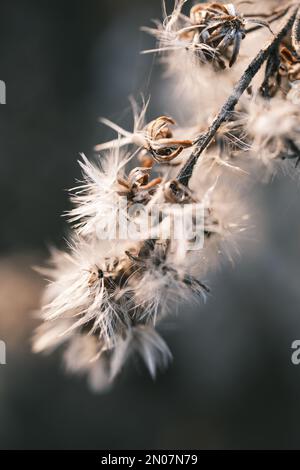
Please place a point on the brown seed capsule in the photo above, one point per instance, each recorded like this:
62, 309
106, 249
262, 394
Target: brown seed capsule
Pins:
220, 27
138, 177
137, 187
160, 142
290, 65
159, 128
202, 12
198, 14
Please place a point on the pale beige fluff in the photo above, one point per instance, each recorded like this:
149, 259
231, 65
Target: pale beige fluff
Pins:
105, 298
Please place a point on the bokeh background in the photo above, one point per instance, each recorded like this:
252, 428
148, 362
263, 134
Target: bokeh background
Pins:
232, 383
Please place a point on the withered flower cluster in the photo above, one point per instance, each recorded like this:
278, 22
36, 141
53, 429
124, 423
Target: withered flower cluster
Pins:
108, 291
208, 32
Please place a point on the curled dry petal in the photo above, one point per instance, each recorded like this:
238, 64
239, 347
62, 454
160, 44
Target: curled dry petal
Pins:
204, 11
138, 187
290, 65
160, 142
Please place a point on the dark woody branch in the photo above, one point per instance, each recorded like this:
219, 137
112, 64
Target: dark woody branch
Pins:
203, 141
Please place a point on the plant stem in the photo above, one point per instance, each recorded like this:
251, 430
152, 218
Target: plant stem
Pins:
277, 16
204, 140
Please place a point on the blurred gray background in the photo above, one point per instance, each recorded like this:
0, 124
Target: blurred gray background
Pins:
232, 384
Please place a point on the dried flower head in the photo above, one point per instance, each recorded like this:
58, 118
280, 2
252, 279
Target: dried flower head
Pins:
107, 294
156, 138
274, 128
209, 32
137, 187
160, 142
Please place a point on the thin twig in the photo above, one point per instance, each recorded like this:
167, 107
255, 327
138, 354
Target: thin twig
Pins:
204, 140
271, 19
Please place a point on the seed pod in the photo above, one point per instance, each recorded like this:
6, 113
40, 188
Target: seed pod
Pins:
137, 187
138, 177
159, 128
160, 142
290, 65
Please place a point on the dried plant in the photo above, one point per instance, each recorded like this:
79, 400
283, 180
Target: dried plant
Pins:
107, 294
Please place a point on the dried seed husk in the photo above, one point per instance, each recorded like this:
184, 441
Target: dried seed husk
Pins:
159, 128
